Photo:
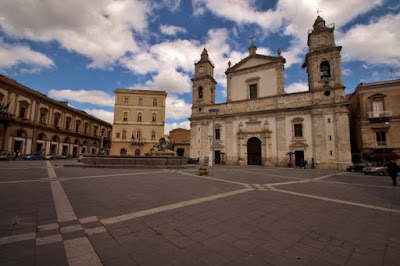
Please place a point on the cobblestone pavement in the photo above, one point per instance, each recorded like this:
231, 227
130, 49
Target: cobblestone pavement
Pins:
55, 215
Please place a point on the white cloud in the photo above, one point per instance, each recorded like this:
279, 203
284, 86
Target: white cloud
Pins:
239, 11
83, 96
177, 108
100, 30
375, 43
172, 30
294, 17
169, 127
13, 55
101, 114
346, 71
297, 87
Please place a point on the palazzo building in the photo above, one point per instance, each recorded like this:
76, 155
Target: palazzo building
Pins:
375, 121
260, 124
32, 122
139, 117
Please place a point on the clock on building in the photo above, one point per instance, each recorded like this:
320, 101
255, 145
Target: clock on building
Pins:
201, 69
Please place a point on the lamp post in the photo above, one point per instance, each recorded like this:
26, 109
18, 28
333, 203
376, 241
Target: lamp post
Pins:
214, 113
387, 125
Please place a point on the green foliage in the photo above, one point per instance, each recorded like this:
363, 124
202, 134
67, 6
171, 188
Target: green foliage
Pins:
367, 156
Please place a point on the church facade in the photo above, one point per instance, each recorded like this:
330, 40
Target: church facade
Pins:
260, 124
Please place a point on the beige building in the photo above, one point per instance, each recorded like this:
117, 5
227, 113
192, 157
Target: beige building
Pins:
139, 117
33, 122
262, 125
375, 120
180, 138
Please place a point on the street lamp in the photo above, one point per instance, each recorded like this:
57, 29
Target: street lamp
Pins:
213, 113
387, 125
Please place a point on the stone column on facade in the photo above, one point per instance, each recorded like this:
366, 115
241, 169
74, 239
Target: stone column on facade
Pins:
318, 136
228, 90
343, 139
229, 141
281, 138
280, 79
34, 131
6, 137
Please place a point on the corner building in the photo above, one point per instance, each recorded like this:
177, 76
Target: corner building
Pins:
262, 125
139, 117
375, 120
33, 122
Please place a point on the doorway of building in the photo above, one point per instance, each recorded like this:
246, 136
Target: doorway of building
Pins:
217, 157
39, 148
18, 147
137, 152
254, 151
299, 157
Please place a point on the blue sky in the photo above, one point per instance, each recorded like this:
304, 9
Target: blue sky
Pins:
81, 51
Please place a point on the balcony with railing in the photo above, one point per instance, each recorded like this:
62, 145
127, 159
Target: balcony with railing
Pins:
380, 114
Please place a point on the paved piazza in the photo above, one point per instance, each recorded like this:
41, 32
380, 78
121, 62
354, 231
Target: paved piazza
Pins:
55, 215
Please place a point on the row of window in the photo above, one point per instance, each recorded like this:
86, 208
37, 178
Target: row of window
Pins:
137, 136
140, 101
57, 121
139, 117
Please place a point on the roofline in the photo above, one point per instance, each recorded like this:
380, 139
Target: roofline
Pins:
14, 83
139, 91
375, 84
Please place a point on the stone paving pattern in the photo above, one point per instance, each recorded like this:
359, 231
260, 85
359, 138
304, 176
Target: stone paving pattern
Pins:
241, 216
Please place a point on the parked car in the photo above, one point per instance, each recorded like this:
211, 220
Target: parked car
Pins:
376, 170
6, 156
358, 167
66, 156
33, 156
52, 156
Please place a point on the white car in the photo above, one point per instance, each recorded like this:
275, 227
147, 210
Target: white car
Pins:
81, 157
52, 156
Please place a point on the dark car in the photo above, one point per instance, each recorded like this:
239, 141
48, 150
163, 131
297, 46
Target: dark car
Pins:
33, 156
358, 167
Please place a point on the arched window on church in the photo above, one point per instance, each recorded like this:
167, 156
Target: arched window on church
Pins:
325, 70
124, 134
153, 135
139, 135
200, 92
125, 116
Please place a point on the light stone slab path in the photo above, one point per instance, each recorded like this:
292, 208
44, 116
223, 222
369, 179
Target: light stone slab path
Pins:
78, 251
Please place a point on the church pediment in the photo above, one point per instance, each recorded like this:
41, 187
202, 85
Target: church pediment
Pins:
256, 60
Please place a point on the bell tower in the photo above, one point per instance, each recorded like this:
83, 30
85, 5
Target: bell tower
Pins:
323, 61
203, 83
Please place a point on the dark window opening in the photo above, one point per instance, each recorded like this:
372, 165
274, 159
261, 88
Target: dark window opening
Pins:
217, 133
22, 111
325, 70
200, 92
253, 91
298, 130
381, 138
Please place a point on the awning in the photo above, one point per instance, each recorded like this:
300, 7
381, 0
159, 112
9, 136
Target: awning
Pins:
386, 155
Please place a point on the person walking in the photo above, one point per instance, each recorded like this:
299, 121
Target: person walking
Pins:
16, 154
393, 168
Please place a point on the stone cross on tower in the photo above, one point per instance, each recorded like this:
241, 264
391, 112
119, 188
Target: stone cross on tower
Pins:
252, 37
319, 11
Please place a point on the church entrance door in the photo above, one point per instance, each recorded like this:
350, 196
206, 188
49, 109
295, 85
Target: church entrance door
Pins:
254, 151
299, 157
